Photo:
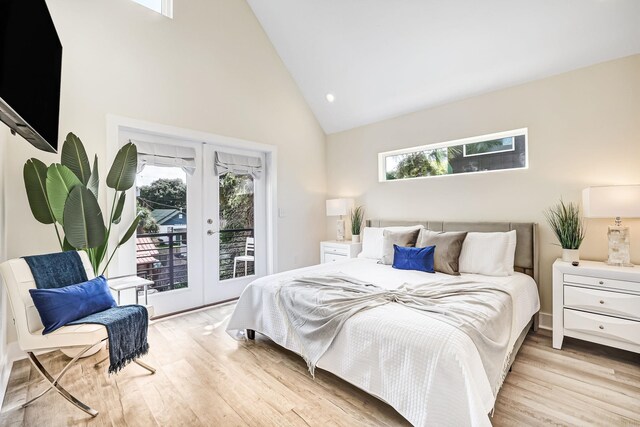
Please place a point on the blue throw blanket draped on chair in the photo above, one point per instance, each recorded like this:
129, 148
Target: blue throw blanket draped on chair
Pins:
126, 325
57, 270
127, 329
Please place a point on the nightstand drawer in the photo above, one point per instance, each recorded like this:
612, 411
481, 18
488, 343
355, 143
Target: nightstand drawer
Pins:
336, 250
602, 282
604, 326
334, 257
331, 251
606, 302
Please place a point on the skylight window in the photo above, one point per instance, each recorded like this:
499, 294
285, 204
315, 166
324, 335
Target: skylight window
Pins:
164, 7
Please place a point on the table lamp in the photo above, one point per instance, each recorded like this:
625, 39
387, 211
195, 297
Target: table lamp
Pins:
614, 201
339, 207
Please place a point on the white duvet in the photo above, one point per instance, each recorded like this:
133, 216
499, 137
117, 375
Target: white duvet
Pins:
429, 371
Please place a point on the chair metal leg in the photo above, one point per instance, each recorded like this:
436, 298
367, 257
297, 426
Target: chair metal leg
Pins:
145, 366
137, 361
245, 268
235, 262
54, 382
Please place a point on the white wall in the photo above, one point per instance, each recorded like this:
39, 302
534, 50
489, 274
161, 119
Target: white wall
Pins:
584, 129
210, 69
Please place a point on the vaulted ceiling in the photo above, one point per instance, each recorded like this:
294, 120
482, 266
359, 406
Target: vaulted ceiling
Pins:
384, 58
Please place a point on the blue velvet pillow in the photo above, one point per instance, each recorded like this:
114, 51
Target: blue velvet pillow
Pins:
406, 258
59, 306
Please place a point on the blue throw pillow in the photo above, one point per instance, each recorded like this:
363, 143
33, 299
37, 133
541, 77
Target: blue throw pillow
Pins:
420, 259
59, 306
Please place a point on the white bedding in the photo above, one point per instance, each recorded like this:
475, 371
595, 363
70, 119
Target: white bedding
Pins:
429, 371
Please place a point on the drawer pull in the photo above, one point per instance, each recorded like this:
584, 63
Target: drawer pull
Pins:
601, 327
601, 301
601, 282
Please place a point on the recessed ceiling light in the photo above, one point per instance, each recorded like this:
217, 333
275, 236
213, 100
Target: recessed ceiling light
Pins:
330, 97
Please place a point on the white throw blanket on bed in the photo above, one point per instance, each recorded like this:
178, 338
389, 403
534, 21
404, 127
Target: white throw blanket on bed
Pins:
316, 308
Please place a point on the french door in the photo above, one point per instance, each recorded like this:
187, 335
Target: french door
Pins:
235, 228
203, 234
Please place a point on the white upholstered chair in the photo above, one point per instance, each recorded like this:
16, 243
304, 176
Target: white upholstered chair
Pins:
250, 246
18, 280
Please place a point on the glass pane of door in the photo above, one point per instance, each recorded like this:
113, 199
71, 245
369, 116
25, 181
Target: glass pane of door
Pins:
161, 239
236, 216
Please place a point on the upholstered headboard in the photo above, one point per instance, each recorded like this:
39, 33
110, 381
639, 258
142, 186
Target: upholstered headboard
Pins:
526, 260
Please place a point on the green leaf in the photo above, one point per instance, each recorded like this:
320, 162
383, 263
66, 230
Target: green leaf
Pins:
122, 174
83, 223
66, 246
60, 181
130, 231
74, 157
94, 179
117, 215
35, 182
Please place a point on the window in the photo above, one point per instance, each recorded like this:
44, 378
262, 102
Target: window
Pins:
165, 7
487, 153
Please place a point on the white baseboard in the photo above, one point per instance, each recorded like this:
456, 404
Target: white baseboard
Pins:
546, 321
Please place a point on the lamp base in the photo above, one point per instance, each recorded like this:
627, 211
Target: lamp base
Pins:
340, 230
619, 265
619, 246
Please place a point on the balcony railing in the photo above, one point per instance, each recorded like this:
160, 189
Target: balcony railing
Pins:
162, 257
232, 244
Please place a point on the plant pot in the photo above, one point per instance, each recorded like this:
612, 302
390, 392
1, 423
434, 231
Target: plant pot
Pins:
355, 238
570, 255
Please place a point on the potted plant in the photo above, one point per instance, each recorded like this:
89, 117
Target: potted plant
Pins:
568, 226
65, 194
357, 215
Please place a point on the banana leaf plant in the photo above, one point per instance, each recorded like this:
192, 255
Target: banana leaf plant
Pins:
65, 194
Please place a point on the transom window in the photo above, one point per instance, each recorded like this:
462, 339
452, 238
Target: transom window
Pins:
164, 7
486, 153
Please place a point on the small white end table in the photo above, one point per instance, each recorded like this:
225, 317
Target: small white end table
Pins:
122, 283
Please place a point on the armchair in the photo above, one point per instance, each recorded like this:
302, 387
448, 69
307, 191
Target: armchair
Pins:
18, 280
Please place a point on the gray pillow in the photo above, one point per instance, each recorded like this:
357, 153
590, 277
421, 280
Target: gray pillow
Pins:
400, 238
448, 247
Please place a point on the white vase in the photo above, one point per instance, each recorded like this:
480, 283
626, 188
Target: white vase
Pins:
570, 255
355, 238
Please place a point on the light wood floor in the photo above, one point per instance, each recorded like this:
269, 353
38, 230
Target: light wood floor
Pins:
206, 378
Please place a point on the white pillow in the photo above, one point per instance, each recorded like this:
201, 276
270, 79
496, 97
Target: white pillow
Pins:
490, 254
373, 239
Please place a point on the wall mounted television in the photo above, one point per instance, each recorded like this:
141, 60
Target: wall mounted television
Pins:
30, 72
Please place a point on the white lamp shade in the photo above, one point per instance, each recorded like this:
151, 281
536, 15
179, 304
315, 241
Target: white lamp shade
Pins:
338, 207
611, 201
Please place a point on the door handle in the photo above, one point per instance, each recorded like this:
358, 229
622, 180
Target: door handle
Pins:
211, 232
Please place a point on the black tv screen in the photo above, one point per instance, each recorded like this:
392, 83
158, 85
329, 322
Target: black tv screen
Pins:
30, 70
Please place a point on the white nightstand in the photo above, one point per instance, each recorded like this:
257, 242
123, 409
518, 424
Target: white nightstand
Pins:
333, 250
596, 302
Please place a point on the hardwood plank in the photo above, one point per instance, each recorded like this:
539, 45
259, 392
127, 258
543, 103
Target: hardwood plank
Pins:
204, 377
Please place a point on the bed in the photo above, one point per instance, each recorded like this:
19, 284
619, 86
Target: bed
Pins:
428, 371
